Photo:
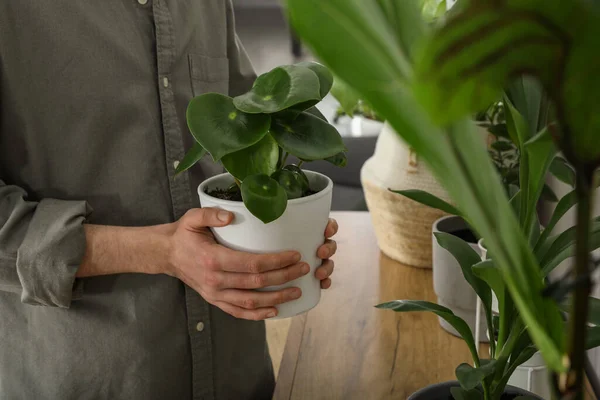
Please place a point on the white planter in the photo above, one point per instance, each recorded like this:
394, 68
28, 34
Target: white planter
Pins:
533, 376
300, 228
450, 286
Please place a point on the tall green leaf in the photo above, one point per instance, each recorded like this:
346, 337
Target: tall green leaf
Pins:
345, 95
428, 199
457, 323
222, 129
563, 171
565, 204
362, 49
487, 272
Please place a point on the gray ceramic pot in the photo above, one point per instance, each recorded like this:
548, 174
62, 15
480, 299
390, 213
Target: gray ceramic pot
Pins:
450, 286
441, 391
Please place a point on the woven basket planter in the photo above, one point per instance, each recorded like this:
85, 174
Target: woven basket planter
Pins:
402, 226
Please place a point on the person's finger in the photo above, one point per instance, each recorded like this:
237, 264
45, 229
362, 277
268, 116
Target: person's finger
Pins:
326, 283
325, 270
327, 250
332, 228
241, 313
252, 300
234, 280
249, 263
198, 218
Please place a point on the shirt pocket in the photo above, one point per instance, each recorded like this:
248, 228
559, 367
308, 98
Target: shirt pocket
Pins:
209, 74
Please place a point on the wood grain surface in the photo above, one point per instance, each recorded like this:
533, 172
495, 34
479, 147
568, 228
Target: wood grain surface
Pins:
347, 349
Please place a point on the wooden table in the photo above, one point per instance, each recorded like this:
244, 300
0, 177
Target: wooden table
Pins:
347, 349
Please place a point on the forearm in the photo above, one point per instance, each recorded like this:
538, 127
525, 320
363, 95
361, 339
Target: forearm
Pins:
116, 250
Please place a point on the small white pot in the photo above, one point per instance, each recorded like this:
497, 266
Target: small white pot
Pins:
532, 375
300, 228
450, 286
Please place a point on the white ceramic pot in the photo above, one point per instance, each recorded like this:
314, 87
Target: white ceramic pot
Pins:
532, 375
450, 286
300, 228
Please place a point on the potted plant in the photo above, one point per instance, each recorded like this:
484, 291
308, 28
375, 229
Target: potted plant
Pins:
461, 66
277, 206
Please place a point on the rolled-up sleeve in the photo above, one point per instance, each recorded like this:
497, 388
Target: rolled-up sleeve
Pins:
42, 245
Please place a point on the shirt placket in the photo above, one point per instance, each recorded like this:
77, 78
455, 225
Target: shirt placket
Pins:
198, 312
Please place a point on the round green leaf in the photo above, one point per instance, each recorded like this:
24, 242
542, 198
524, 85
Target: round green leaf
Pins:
325, 76
222, 129
260, 158
280, 88
302, 176
307, 137
264, 197
339, 160
292, 182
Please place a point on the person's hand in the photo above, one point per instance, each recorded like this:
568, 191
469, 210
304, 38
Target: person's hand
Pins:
225, 277
325, 252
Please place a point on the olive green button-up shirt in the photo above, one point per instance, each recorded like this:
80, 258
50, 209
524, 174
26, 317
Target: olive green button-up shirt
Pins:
92, 123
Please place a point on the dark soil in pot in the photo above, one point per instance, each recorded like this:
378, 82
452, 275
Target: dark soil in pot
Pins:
236, 195
465, 234
441, 391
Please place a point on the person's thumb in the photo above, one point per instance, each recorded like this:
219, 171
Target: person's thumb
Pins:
197, 218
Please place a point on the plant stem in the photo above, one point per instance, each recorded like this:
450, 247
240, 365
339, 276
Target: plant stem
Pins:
237, 182
300, 163
284, 159
572, 384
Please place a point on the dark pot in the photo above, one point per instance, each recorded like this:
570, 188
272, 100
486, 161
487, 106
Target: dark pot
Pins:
441, 391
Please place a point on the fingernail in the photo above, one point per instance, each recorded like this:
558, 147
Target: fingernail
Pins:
271, 314
295, 294
223, 216
297, 257
305, 269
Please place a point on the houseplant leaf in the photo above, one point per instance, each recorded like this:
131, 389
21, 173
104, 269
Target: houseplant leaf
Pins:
325, 76
191, 157
264, 197
563, 205
301, 174
260, 158
470, 377
292, 182
345, 95
307, 137
457, 323
592, 337
593, 312
466, 258
280, 88
563, 171
315, 111
362, 49
222, 129
487, 272
428, 199
456, 60
339, 160
560, 247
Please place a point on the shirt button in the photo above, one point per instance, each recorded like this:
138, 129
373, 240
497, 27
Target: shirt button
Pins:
143, 2
166, 82
200, 326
